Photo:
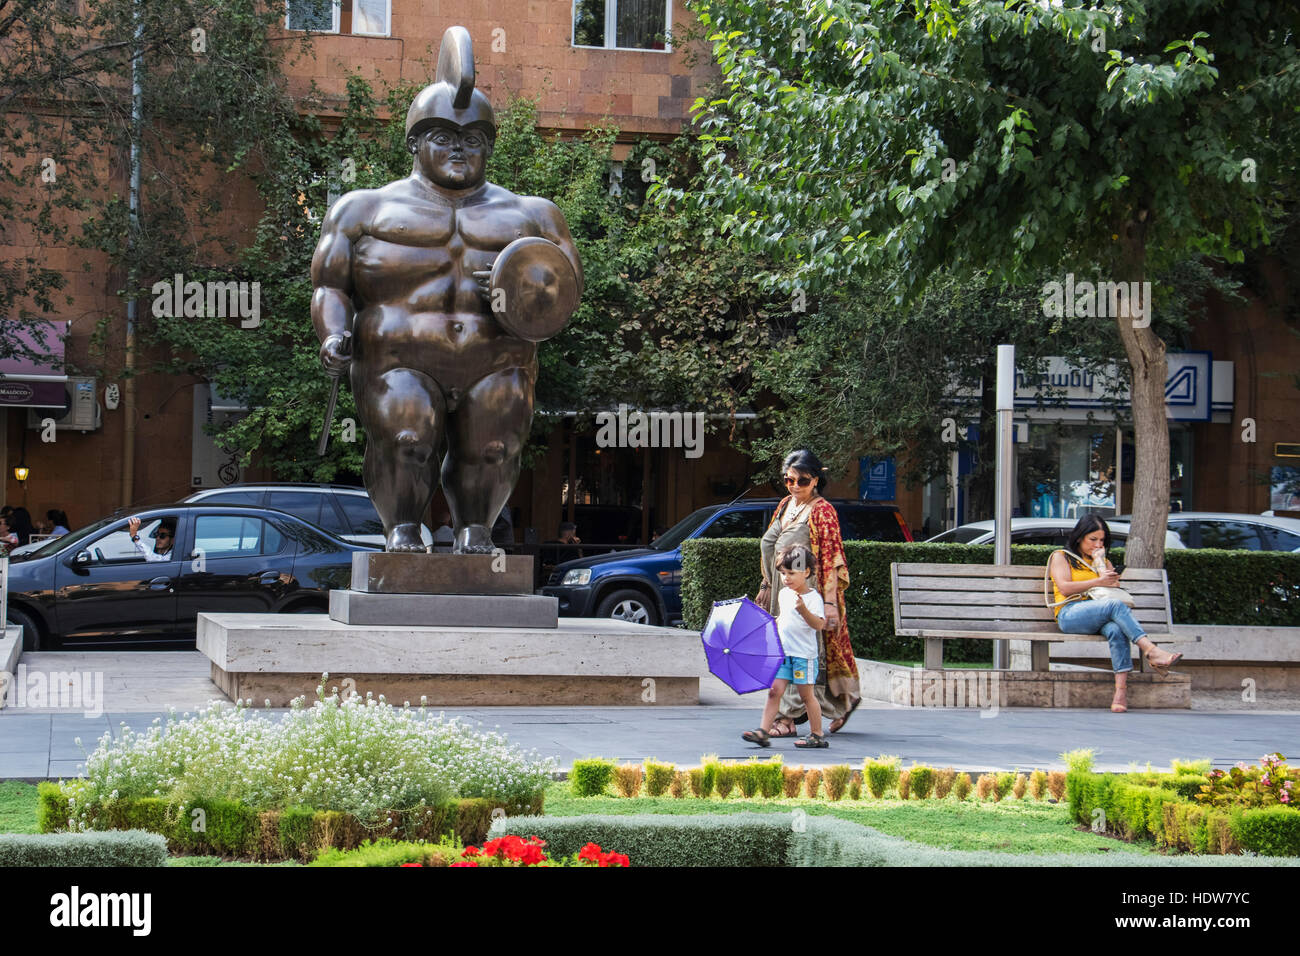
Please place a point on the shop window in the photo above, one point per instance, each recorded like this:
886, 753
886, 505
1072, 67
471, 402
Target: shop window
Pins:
622, 24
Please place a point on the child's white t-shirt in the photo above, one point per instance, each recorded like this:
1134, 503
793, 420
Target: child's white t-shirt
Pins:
797, 636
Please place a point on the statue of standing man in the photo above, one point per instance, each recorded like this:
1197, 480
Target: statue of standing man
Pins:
446, 284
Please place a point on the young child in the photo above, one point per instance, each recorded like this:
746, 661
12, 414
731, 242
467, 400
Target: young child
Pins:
801, 614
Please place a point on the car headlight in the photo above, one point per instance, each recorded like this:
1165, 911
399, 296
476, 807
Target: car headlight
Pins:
577, 576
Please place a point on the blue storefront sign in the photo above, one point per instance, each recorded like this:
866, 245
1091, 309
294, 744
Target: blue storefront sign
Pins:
876, 479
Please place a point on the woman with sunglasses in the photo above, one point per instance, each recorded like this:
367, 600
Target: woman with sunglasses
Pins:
805, 517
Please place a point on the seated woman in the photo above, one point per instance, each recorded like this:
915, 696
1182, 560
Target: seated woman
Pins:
1075, 614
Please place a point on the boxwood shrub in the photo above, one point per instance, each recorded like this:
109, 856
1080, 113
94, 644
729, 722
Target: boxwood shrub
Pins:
115, 848
786, 839
1136, 810
230, 828
1205, 587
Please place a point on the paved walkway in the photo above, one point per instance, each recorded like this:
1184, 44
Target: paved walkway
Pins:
38, 743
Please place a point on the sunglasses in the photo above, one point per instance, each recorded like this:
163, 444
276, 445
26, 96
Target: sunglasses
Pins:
801, 482
164, 534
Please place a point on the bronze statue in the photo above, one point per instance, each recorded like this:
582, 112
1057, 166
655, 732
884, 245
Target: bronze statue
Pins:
447, 283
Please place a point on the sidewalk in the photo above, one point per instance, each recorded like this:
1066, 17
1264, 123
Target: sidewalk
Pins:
137, 687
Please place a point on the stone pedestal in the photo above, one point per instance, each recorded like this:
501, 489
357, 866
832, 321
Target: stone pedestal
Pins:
582, 661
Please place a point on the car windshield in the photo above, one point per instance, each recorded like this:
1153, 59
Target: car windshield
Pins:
55, 545
683, 529
963, 535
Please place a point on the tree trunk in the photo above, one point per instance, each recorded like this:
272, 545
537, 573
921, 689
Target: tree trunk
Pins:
1146, 355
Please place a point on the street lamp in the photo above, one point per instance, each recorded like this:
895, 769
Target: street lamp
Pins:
21, 471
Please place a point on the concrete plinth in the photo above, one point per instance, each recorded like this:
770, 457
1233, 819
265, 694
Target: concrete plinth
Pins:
382, 572
583, 661
445, 610
988, 689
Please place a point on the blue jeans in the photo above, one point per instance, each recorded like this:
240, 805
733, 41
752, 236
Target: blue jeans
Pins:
1113, 620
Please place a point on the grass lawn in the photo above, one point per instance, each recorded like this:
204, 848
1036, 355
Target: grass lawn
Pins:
17, 807
1012, 826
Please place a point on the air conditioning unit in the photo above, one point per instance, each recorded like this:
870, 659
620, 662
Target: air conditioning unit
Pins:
81, 412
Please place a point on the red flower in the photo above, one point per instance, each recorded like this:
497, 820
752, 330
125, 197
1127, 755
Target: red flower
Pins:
412, 864
614, 859
462, 863
590, 852
470, 851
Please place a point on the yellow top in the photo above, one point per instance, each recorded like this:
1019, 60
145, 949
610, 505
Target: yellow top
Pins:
1076, 574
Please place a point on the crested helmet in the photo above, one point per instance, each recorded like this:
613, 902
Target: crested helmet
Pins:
451, 98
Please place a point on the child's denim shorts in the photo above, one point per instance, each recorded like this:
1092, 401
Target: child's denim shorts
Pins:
798, 670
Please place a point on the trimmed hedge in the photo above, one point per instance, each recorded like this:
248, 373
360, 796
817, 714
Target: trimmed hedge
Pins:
229, 828
1205, 587
118, 848
1136, 810
790, 839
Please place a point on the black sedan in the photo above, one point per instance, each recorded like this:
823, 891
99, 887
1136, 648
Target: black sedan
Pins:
99, 587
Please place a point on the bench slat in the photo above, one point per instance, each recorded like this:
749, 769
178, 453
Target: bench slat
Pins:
1017, 586
1010, 599
942, 627
1004, 612
1006, 571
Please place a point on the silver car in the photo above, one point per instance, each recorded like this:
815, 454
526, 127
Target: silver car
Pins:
1235, 532
342, 510
1050, 531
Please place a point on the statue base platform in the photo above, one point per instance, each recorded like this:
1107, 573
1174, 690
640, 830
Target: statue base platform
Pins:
445, 610
383, 572
582, 661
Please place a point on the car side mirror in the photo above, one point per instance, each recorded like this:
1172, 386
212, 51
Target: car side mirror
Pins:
83, 557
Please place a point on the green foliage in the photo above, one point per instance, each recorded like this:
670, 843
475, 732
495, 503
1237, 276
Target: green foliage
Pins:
710, 764
590, 778
115, 848
1197, 767
658, 777
1271, 831
747, 778
837, 779
1080, 760
922, 781
701, 782
770, 777
727, 777
1205, 587
52, 810
1006, 780
753, 839
855, 787
961, 786
391, 853
881, 775
1038, 784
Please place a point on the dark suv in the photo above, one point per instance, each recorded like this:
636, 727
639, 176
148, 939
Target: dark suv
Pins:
644, 585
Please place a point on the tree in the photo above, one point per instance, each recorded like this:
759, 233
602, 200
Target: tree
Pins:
1109, 141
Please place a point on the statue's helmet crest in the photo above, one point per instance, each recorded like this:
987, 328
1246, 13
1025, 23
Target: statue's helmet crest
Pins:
451, 98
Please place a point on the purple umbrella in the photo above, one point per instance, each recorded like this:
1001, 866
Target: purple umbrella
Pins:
742, 646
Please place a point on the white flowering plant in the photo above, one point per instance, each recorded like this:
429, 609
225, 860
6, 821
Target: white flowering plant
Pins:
358, 755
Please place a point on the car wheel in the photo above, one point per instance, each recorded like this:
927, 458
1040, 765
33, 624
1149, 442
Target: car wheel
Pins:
31, 633
629, 605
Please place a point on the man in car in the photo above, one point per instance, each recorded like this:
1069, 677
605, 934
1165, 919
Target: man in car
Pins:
164, 539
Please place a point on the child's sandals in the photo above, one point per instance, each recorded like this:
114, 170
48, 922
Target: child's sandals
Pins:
812, 742
760, 737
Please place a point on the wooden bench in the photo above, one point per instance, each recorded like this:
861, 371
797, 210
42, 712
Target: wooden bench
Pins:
943, 602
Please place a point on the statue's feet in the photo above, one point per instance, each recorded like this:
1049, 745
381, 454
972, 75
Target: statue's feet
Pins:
405, 538
474, 539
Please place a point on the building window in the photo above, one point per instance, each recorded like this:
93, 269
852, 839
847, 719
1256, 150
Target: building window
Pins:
622, 24
358, 17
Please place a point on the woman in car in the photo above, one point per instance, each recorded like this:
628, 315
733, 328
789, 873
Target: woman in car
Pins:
805, 517
1076, 614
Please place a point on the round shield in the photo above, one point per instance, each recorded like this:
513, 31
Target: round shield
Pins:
534, 289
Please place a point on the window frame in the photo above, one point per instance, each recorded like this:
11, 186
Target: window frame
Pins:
336, 6
611, 29
388, 21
